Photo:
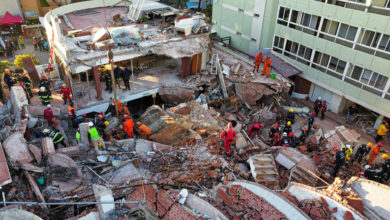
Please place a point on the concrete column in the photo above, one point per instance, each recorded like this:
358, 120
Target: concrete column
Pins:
103, 194
96, 76
378, 121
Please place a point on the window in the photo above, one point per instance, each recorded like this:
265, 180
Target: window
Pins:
283, 13
347, 32
357, 72
385, 44
330, 27
279, 42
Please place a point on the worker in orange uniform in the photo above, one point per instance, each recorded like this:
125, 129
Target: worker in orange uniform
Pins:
65, 91
258, 61
267, 66
129, 126
120, 106
375, 151
71, 111
144, 131
229, 136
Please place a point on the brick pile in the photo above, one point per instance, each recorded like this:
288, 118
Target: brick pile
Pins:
159, 202
238, 202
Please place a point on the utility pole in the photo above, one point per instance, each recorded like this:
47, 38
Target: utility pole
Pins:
110, 56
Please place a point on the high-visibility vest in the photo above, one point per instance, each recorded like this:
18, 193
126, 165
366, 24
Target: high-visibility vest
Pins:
78, 136
70, 108
94, 134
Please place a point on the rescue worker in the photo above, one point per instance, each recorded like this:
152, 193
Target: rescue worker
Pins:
128, 126
35, 43
229, 136
108, 80
65, 92
144, 131
324, 107
352, 111
56, 136
8, 79
310, 122
348, 153
120, 106
385, 168
276, 140
94, 138
375, 151
118, 134
118, 76
290, 116
317, 105
48, 115
371, 174
382, 130
126, 77
303, 136
43, 82
275, 129
71, 111
25, 92
78, 135
362, 151
255, 130
285, 142
44, 96
27, 84
267, 66
258, 61
288, 128
340, 160
21, 42
124, 110
292, 140
78, 120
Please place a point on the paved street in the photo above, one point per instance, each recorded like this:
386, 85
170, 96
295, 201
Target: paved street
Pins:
42, 56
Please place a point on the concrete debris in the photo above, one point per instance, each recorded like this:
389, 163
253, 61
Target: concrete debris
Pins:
37, 152
263, 169
16, 148
250, 93
19, 102
125, 174
48, 146
176, 96
31, 167
15, 213
103, 194
35, 189
5, 177
63, 173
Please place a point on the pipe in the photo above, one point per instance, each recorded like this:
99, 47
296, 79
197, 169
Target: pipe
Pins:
69, 203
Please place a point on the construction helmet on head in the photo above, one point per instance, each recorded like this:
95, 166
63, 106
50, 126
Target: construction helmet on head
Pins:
313, 113
291, 110
343, 148
90, 124
43, 77
42, 89
304, 129
380, 144
138, 123
385, 156
106, 123
276, 125
48, 105
291, 134
369, 144
367, 167
319, 98
324, 101
257, 126
284, 134
126, 116
276, 134
262, 125
289, 123
348, 146
100, 116
64, 85
46, 131
24, 74
21, 84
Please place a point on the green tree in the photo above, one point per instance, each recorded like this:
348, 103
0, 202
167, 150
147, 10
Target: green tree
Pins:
180, 4
19, 60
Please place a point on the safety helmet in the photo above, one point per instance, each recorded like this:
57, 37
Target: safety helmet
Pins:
268, 56
291, 110
261, 52
21, 84
313, 113
343, 148
385, 156
48, 105
380, 144
284, 134
289, 123
319, 98
361, 173
324, 101
64, 85
291, 134
24, 74
304, 129
8, 71
367, 167
84, 115
348, 146
42, 89
276, 134
387, 124
106, 123
100, 116
100, 144
138, 123
125, 116
276, 125
262, 125
335, 148
369, 144
90, 124
43, 76
46, 131
257, 126
101, 113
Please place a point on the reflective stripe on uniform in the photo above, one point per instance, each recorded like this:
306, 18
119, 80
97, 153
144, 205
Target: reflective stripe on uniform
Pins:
59, 139
94, 134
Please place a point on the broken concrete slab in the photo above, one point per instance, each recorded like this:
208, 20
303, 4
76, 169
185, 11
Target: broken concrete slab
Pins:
302, 192
19, 101
48, 146
36, 151
37, 110
125, 174
263, 169
375, 196
63, 172
196, 203
69, 151
91, 216
176, 96
84, 134
346, 135
31, 167
15, 213
251, 92
15, 147
103, 194
5, 176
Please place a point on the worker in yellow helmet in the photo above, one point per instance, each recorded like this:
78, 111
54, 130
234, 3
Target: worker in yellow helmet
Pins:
362, 151
288, 128
385, 174
290, 116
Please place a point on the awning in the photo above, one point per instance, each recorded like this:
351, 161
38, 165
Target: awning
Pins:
282, 65
10, 19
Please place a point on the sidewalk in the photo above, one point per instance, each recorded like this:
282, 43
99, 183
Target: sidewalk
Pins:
42, 56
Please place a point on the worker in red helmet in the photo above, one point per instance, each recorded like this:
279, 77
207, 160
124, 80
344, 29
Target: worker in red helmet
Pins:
292, 140
25, 92
27, 84
324, 107
258, 61
255, 130
48, 115
275, 129
375, 151
276, 140
310, 122
9, 79
267, 66
303, 136
229, 136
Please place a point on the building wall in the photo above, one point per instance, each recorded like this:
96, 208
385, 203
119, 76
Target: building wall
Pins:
12, 6
247, 22
31, 5
344, 54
